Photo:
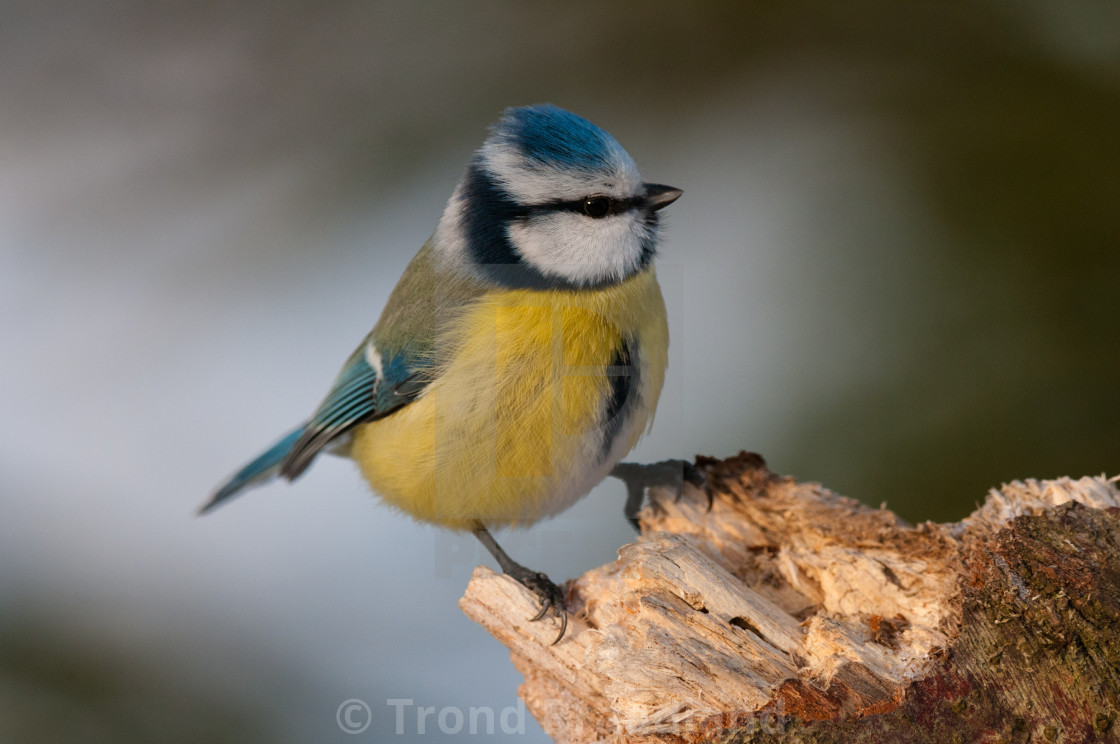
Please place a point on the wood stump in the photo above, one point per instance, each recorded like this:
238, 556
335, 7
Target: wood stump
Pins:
788, 613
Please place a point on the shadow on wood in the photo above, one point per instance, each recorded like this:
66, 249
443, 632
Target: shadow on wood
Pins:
788, 613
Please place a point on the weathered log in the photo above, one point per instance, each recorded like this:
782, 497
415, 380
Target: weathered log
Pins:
787, 613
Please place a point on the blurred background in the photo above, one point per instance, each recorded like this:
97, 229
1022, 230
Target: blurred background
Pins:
894, 270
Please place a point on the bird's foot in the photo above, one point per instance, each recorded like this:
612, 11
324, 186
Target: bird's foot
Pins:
667, 473
549, 594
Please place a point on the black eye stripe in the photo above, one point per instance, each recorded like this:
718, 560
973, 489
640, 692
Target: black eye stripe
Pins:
597, 206
614, 206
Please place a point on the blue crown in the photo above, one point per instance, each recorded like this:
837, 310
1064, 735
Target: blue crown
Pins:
548, 134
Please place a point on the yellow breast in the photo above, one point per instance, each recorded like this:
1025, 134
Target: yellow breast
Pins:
512, 426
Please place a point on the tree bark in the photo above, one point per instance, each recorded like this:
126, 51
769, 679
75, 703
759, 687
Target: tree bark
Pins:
786, 613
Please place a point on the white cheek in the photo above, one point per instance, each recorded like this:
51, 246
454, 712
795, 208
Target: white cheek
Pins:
571, 246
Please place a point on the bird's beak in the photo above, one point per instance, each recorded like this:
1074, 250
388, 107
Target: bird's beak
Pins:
658, 196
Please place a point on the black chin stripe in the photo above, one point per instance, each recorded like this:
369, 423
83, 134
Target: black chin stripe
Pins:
487, 209
649, 243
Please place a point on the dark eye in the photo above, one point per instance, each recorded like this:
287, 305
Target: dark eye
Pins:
596, 206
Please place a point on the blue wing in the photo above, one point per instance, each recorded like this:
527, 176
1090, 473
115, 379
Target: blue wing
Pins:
361, 392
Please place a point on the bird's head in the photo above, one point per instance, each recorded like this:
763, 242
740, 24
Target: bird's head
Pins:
552, 201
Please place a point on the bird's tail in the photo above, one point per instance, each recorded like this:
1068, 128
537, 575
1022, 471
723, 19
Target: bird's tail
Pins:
259, 471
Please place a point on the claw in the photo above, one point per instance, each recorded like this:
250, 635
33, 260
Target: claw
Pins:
694, 475
563, 627
550, 595
546, 605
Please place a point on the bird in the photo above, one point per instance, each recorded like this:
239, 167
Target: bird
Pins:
520, 356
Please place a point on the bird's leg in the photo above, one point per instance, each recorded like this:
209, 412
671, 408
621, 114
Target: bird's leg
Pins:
538, 583
669, 473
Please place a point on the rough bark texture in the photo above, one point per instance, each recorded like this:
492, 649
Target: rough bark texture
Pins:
786, 613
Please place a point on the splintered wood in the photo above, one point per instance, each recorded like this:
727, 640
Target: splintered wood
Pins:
782, 602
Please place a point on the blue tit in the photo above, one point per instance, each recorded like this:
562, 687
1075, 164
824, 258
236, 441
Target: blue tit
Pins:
523, 351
